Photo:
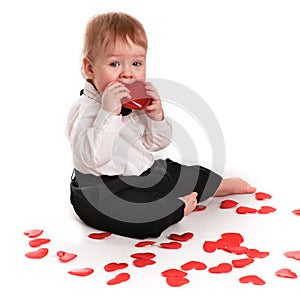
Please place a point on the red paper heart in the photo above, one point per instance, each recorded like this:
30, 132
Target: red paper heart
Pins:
119, 278
209, 246
65, 256
38, 242
228, 203
252, 279
237, 250
296, 212
266, 210
181, 237
99, 235
228, 241
171, 245
221, 268
142, 262
115, 266
240, 263
245, 210
40, 253
176, 281
144, 244
234, 235
173, 273
197, 265
262, 196
199, 207
144, 255
253, 253
32, 233
286, 273
81, 272
293, 254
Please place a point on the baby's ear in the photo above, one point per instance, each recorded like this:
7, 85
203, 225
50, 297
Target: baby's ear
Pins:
88, 68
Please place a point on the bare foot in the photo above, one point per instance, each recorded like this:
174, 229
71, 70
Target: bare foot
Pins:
190, 202
234, 185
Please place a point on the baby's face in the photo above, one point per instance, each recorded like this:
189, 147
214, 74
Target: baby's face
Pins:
123, 62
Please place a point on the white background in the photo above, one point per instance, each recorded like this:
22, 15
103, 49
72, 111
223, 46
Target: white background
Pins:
241, 57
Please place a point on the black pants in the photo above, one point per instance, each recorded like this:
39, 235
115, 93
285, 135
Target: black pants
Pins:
140, 206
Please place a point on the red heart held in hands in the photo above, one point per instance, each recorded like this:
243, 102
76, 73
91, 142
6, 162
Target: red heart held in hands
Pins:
199, 207
40, 253
122, 277
99, 235
32, 233
252, 279
240, 263
143, 262
245, 210
228, 203
171, 245
286, 273
38, 242
176, 281
115, 266
293, 254
221, 268
266, 210
262, 196
144, 244
181, 237
197, 265
144, 255
173, 273
81, 272
65, 256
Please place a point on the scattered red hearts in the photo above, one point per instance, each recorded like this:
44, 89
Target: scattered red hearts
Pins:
228, 203
234, 235
262, 196
221, 268
296, 212
252, 279
65, 256
181, 237
245, 210
119, 278
143, 262
38, 242
286, 273
176, 281
200, 208
197, 265
240, 263
173, 273
209, 246
99, 235
143, 255
81, 272
293, 254
266, 210
40, 253
144, 244
115, 266
171, 245
32, 233
253, 253
237, 250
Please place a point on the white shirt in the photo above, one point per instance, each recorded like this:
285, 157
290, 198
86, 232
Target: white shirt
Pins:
105, 144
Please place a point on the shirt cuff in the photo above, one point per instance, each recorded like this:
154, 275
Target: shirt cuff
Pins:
159, 126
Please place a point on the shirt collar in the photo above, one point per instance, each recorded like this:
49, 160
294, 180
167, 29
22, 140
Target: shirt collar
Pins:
90, 92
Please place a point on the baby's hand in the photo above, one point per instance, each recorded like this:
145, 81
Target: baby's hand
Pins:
154, 110
112, 95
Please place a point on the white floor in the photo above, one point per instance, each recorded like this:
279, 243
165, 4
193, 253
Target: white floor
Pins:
247, 71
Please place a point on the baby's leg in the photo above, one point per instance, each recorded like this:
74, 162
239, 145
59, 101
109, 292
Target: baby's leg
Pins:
234, 185
190, 202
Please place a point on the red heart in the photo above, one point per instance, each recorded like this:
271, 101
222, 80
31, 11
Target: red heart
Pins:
177, 281
227, 241
173, 273
221, 268
237, 250
296, 212
209, 246
181, 237
99, 235
33, 233
171, 245
144, 243
240, 263
65, 256
115, 266
286, 273
40, 253
38, 242
234, 235
119, 278
253, 253
262, 196
81, 272
293, 254
200, 208
197, 265
228, 203
142, 262
253, 279
245, 210
266, 210
144, 255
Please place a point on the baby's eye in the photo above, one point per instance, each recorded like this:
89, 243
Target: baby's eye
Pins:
114, 64
137, 64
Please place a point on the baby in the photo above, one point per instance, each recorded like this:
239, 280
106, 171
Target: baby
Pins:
112, 145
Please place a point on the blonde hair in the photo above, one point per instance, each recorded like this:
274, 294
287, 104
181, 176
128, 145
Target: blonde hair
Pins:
103, 30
